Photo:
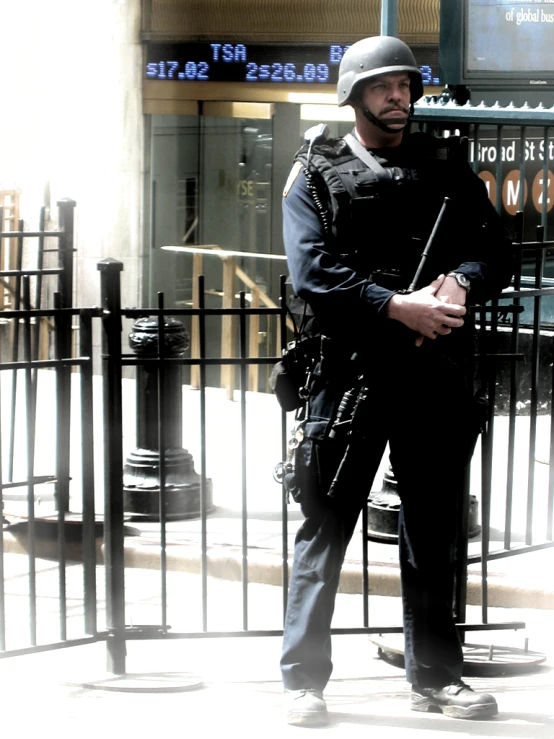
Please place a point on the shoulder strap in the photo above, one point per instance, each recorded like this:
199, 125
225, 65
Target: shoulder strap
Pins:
364, 155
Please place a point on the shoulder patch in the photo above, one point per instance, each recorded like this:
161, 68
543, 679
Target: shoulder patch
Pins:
295, 171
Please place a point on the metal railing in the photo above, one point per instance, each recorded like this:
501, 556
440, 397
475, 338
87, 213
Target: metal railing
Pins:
512, 149
113, 365
25, 260
47, 445
499, 321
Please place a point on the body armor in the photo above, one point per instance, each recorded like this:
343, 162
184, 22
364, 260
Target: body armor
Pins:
379, 225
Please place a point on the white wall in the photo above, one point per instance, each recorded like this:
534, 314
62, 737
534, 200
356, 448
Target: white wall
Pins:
71, 124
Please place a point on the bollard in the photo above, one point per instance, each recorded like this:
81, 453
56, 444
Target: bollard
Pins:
142, 471
383, 509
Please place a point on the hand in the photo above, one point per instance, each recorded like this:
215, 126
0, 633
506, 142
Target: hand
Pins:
451, 292
427, 314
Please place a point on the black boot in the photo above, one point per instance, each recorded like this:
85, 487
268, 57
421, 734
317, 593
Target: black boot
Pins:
457, 700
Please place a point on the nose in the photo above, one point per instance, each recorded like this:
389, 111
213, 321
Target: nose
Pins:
395, 92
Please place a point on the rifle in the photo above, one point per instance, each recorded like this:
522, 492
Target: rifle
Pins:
356, 398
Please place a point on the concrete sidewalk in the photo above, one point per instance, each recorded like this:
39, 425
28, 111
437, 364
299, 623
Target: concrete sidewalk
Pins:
241, 696
515, 581
66, 692
518, 581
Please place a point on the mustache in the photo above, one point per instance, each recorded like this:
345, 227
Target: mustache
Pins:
396, 109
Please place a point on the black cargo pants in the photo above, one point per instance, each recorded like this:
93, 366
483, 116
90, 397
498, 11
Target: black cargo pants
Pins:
420, 403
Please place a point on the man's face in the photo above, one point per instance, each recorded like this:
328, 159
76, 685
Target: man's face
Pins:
388, 98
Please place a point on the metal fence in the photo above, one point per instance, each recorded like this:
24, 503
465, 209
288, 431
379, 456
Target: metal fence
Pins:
512, 150
30, 278
36, 425
161, 362
513, 370
488, 358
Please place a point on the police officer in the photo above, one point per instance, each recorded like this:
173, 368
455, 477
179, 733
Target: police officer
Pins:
357, 215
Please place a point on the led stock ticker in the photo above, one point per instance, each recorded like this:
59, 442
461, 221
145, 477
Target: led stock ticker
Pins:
270, 63
243, 63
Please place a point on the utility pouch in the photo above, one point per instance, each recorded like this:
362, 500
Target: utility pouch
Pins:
289, 378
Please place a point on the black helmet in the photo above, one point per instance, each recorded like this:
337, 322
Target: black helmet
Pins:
373, 56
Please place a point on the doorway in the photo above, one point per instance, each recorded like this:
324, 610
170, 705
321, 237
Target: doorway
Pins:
217, 176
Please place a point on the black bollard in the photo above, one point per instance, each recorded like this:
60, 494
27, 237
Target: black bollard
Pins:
383, 509
141, 476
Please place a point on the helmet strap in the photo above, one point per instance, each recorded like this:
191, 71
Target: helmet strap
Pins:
383, 126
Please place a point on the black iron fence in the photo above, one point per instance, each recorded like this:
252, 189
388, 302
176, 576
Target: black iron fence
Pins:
36, 272
37, 364
499, 330
160, 362
528, 351
53, 536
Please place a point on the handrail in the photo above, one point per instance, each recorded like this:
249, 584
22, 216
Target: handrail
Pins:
224, 253
240, 273
230, 269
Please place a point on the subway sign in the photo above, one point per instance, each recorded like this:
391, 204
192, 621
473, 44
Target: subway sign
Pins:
501, 168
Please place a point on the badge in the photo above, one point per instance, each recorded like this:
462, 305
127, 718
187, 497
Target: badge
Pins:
295, 171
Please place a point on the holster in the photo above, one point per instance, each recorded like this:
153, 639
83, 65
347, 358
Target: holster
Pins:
290, 376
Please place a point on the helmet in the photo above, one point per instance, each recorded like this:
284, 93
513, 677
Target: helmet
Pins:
373, 56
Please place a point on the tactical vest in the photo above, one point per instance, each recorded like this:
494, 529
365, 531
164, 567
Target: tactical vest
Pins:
377, 225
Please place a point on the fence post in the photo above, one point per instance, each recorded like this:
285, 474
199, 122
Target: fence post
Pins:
64, 343
254, 343
66, 213
195, 323
228, 326
110, 270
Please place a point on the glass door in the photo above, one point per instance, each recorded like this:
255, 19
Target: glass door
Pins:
217, 176
211, 194
235, 218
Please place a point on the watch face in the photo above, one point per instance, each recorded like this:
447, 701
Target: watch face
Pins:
462, 280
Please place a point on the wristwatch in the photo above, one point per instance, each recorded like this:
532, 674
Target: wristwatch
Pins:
461, 279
